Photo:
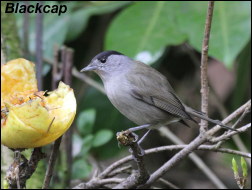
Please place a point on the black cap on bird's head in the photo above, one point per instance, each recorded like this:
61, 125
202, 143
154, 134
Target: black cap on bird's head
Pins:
105, 54
102, 58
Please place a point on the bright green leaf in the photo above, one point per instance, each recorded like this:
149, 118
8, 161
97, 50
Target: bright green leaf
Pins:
235, 167
85, 121
146, 28
230, 32
102, 137
244, 167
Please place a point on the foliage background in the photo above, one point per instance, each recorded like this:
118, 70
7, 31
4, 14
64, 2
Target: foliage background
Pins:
167, 35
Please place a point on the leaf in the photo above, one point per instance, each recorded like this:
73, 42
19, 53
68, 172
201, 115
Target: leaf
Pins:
148, 27
80, 17
54, 30
102, 137
86, 145
85, 121
144, 28
81, 169
230, 28
235, 167
54, 33
244, 167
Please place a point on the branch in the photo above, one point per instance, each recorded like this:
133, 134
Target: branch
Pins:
66, 59
141, 175
68, 136
186, 149
39, 48
201, 147
226, 136
19, 172
164, 131
204, 59
203, 137
121, 170
97, 182
88, 80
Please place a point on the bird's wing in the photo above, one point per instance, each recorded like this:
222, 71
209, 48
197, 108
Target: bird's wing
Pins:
152, 87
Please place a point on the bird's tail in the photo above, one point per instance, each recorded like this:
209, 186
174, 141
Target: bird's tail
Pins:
203, 116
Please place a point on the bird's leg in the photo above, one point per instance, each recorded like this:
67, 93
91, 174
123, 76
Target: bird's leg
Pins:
144, 136
139, 127
128, 136
140, 141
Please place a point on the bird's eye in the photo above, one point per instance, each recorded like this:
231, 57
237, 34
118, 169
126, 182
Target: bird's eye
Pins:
103, 60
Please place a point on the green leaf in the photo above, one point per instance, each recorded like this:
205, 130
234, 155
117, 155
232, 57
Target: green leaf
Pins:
235, 167
146, 28
102, 137
81, 169
80, 17
86, 145
85, 121
231, 29
54, 30
244, 167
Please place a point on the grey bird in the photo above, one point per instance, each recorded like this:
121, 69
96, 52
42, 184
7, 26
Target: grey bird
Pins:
141, 93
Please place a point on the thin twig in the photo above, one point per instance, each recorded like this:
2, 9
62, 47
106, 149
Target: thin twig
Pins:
39, 48
121, 170
226, 136
26, 32
56, 145
234, 126
68, 137
164, 131
236, 139
51, 163
201, 147
88, 80
97, 182
82, 76
204, 60
115, 165
203, 137
168, 184
17, 156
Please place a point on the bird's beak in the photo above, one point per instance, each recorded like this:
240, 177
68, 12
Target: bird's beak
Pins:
89, 68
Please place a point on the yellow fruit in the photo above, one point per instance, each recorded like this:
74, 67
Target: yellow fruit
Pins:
30, 118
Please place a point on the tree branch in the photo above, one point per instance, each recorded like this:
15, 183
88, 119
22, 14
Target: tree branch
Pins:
66, 56
196, 144
141, 175
165, 131
204, 60
203, 137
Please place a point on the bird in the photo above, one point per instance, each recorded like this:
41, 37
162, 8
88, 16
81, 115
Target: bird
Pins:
141, 93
